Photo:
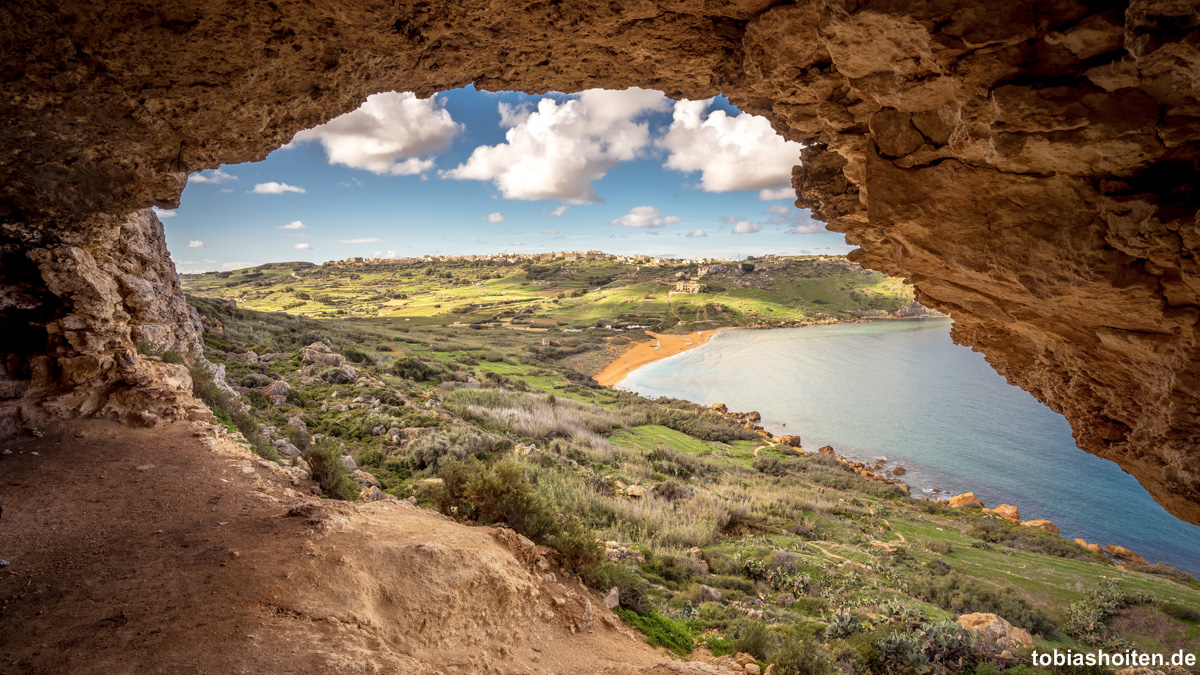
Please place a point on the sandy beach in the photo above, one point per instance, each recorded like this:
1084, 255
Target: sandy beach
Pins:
642, 353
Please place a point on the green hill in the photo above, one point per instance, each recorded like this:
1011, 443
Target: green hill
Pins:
586, 292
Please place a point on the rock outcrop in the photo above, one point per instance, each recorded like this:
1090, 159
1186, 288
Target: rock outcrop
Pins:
1122, 553
1041, 524
966, 499
1031, 167
995, 634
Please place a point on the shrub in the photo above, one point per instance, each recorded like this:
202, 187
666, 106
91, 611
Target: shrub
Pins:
1179, 611
843, 625
901, 653
412, 368
325, 464
661, 631
167, 355
801, 657
771, 466
1165, 570
940, 546
1086, 617
752, 637
963, 595
358, 356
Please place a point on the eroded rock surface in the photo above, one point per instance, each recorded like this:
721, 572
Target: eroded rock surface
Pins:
1030, 167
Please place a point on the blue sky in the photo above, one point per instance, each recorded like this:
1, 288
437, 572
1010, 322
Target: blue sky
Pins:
478, 172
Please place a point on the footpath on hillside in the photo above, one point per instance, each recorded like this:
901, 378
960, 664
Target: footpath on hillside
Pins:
143, 550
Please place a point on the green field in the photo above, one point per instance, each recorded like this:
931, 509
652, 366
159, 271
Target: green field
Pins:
579, 294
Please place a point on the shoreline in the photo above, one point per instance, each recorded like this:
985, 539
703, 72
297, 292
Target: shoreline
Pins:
645, 353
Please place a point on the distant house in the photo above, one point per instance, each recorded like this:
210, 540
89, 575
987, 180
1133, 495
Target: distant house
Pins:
689, 286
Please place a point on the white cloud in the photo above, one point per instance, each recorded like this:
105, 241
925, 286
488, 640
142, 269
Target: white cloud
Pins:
294, 225
771, 195
747, 227
697, 233
387, 135
810, 227
163, 213
273, 188
559, 210
794, 221
777, 210
196, 243
211, 176
549, 231
731, 153
559, 150
235, 265
302, 247
644, 216
365, 240
494, 217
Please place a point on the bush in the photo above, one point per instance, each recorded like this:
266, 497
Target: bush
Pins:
770, 466
412, 368
801, 657
843, 625
1165, 570
661, 631
963, 595
1179, 611
1086, 617
502, 494
325, 464
358, 356
939, 546
752, 637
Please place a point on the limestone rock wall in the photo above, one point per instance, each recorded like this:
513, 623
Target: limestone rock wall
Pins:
1031, 167
84, 300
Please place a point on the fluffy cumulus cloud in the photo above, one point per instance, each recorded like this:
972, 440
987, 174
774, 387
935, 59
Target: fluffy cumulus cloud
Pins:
494, 217
731, 153
211, 176
163, 213
697, 233
294, 225
196, 243
771, 195
645, 217
390, 134
273, 188
560, 149
746, 227
559, 210
302, 247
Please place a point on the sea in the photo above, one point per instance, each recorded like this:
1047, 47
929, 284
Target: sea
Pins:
902, 390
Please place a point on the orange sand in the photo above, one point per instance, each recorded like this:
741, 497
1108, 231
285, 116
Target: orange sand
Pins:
644, 352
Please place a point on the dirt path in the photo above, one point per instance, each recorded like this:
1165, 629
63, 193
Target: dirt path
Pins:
145, 551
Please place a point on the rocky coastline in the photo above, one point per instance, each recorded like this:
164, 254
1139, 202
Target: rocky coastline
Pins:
879, 473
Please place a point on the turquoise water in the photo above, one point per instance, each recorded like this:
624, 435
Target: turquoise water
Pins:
903, 390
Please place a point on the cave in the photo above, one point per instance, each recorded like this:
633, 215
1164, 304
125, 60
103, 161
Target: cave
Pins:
1030, 167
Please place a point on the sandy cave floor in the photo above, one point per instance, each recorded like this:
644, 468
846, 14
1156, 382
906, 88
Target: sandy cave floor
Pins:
141, 550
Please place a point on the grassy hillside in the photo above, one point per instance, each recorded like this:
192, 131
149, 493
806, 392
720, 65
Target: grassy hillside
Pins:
565, 294
715, 535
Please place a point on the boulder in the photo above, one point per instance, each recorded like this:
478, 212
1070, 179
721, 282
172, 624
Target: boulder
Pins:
309, 355
1094, 548
1007, 512
612, 598
966, 499
343, 375
1044, 524
372, 493
753, 416
792, 441
994, 634
1122, 553
348, 461
278, 400
899, 471
279, 388
247, 357
635, 491
363, 478
719, 407
286, 449
827, 450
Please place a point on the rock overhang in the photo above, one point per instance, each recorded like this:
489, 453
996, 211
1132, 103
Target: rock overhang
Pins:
1031, 167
